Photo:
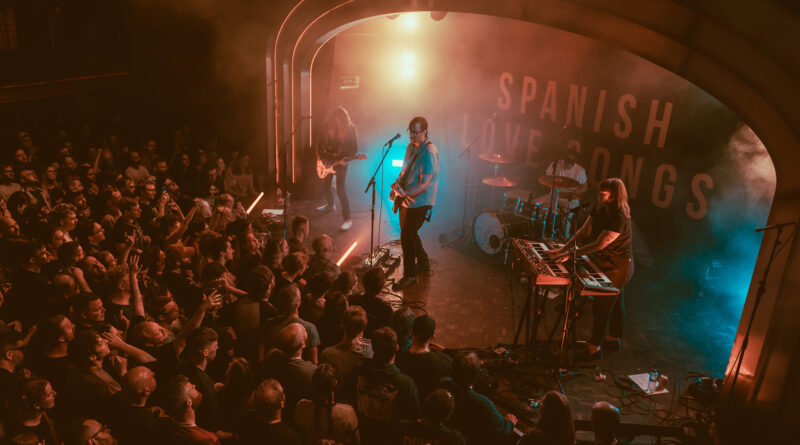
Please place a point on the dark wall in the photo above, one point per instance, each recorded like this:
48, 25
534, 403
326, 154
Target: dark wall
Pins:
204, 63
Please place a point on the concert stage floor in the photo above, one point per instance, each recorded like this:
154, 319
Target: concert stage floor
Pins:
677, 332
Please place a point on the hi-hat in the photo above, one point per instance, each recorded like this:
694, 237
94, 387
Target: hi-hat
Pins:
496, 158
500, 181
561, 182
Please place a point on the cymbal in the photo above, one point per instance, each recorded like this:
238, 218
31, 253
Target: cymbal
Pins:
561, 182
500, 181
496, 158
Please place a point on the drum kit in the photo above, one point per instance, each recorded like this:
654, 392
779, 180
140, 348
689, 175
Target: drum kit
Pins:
522, 216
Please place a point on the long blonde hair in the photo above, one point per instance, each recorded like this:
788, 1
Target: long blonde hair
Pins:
619, 194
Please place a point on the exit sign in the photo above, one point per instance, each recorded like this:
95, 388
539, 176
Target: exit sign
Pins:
348, 82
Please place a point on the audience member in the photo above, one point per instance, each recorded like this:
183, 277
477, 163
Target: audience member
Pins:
379, 312
383, 394
353, 348
420, 362
605, 421
130, 419
321, 261
322, 418
182, 399
555, 425
288, 304
430, 427
329, 325
264, 424
300, 229
475, 415
287, 365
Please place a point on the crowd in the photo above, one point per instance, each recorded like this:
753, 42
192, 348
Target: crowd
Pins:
140, 305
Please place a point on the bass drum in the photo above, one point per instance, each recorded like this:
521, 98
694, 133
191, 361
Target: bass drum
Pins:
492, 230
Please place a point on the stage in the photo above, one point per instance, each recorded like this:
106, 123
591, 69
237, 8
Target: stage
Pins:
668, 328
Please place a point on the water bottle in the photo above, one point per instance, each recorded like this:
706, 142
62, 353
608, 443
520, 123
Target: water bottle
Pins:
288, 198
652, 383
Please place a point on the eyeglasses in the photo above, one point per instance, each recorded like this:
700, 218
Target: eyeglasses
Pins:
414, 132
103, 429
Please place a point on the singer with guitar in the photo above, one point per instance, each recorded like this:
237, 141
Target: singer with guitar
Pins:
414, 195
337, 146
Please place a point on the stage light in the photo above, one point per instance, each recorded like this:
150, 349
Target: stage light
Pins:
250, 209
408, 21
346, 254
438, 15
397, 163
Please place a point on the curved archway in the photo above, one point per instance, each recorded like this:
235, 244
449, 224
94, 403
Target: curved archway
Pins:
708, 47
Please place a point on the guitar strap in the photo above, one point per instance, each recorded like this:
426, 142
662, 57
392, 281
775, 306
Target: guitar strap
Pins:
411, 164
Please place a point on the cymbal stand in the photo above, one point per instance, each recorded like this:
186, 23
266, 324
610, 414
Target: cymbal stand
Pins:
468, 152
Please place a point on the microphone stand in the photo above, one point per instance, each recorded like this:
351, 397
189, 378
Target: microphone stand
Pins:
283, 151
762, 288
372, 185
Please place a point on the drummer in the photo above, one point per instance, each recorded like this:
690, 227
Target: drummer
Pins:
567, 167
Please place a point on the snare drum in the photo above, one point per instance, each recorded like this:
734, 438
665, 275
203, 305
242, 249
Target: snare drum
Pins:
526, 209
492, 231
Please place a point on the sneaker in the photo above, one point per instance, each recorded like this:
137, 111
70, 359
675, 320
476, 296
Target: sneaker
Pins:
586, 356
346, 225
326, 208
404, 283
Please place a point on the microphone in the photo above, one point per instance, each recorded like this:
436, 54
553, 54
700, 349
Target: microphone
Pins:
396, 137
776, 226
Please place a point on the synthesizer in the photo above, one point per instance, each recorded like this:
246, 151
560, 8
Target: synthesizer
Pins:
592, 281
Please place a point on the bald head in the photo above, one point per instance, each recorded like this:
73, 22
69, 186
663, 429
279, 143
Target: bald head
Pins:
292, 339
605, 420
138, 383
323, 245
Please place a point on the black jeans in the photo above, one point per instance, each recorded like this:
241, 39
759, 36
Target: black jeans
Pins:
341, 175
609, 317
609, 311
414, 255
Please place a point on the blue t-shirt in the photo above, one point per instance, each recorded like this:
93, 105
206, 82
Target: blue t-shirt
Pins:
426, 163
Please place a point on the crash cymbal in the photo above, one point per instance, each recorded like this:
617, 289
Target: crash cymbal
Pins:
561, 182
500, 181
496, 158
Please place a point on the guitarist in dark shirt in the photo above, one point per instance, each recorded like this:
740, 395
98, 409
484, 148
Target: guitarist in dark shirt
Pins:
338, 144
414, 195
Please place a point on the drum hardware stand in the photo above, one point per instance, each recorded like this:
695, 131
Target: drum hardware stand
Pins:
461, 235
566, 368
372, 185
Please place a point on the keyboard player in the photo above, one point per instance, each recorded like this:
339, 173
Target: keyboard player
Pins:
606, 237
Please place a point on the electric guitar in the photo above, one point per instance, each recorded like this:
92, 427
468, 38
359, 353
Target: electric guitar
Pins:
326, 168
401, 183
